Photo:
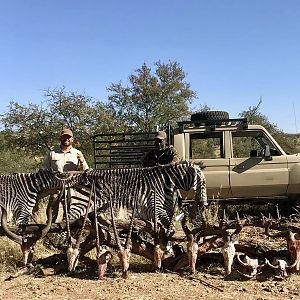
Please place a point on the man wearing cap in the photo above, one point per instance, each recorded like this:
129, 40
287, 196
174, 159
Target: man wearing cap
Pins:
65, 157
162, 154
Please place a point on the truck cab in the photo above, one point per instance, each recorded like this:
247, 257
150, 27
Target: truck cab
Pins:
239, 160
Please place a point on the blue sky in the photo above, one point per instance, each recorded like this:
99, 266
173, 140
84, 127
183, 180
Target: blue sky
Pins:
233, 51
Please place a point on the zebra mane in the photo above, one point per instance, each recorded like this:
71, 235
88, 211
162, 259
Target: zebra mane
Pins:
135, 169
29, 174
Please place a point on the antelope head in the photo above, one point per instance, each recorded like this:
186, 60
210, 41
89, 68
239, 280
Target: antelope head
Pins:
27, 243
280, 266
228, 250
124, 253
103, 260
293, 244
73, 252
192, 244
294, 248
251, 266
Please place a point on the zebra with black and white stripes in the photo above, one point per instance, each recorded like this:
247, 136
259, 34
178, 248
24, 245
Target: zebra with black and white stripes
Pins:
19, 194
151, 189
152, 185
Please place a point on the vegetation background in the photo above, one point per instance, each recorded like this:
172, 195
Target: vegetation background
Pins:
152, 97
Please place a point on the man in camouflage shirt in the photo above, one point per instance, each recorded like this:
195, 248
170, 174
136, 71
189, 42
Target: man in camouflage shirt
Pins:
162, 154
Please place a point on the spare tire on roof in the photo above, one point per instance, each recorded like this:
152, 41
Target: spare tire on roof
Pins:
210, 115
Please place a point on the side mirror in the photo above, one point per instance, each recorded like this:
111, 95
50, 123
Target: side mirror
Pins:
267, 153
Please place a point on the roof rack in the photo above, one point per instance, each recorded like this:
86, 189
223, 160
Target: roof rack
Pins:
213, 124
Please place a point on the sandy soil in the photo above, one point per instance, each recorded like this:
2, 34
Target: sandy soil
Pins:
209, 283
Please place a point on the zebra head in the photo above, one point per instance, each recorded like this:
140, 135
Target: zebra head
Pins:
189, 176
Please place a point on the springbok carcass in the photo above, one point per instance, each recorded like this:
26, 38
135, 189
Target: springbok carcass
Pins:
103, 255
27, 243
153, 191
280, 266
192, 244
230, 240
19, 194
294, 248
250, 266
293, 245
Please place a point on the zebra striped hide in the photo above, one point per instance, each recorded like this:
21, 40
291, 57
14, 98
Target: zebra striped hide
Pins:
19, 192
150, 189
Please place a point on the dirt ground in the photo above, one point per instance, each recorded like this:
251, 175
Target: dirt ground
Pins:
148, 286
208, 283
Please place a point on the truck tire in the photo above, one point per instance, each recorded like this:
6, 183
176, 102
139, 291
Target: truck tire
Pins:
210, 115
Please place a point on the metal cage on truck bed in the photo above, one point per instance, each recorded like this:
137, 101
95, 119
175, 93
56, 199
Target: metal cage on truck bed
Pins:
117, 150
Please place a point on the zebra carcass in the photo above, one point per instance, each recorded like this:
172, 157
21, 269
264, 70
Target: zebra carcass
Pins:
19, 193
151, 190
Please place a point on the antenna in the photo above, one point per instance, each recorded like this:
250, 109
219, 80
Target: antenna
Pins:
295, 117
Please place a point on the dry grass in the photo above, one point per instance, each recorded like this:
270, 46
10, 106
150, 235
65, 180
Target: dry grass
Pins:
10, 255
10, 252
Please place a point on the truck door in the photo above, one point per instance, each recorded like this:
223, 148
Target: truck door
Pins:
251, 173
207, 148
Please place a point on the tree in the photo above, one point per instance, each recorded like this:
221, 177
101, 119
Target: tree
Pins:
30, 128
255, 117
22, 125
152, 99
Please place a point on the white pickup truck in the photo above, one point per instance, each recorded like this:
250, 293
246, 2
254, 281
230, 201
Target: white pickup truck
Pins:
239, 160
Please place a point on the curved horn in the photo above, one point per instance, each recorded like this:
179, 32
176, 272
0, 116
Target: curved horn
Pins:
93, 190
113, 223
271, 265
292, 265
96, 225
65, 206
291, 236
11, 235
39, 235
49, 222
238, 217
246, 275
241, 262
127, 243
128, 239
234, 235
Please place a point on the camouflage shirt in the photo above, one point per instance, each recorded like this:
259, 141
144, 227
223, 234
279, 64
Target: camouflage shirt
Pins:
159, 157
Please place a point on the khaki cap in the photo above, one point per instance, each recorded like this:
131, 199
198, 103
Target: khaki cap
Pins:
161, 135
66, 131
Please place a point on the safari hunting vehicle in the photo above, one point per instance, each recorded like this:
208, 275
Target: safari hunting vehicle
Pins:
241, 162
